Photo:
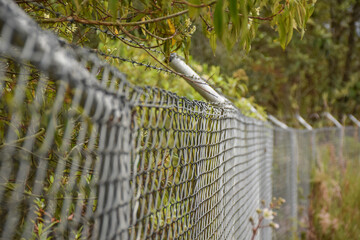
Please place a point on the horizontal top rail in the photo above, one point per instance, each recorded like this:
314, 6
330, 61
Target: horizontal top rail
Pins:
201, 86
196, 81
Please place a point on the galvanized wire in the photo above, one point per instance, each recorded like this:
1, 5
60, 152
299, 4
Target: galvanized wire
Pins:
87, 155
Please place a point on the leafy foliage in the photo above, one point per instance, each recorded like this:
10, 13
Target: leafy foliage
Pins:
63, 160
317, 72
168, 25
164, 21
155, 29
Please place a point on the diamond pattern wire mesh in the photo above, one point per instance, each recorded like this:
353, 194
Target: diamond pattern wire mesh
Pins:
86, 155
296, 155
281, 177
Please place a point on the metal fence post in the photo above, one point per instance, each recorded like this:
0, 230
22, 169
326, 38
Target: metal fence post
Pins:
340, 130
266, 175
291, 175
357, 123
313, 135
306, 140
293, 181
159, 166
261, 180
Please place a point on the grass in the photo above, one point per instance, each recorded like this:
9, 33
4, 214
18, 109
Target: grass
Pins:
335, 197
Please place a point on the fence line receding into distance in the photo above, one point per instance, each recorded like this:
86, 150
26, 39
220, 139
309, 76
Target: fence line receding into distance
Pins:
87, 155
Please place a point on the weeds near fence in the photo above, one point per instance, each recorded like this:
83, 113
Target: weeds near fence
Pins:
266, 215
66, 162
335, 206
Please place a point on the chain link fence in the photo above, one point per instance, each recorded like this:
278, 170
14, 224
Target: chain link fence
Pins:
87, 155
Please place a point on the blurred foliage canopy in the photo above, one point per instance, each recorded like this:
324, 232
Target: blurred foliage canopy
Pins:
319, 72
168, 22
148, 31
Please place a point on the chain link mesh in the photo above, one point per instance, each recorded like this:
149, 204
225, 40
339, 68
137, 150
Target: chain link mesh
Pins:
87, 155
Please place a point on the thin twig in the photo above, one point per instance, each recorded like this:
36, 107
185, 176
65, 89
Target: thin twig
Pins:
158, 37
270, 17
255, 229
151, 55
208, 26
20, 140
117, 23
195, 5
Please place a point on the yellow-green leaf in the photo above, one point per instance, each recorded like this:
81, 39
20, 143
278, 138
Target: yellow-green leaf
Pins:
172, 31
113, 7
244, 22
213, 42
234, 15
282, 33
219, 19
289, 30
194, 12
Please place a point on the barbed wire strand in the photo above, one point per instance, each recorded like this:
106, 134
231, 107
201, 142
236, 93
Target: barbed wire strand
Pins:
105, 31
192, 78
147, 66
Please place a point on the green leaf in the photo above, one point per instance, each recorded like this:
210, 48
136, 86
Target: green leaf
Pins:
113, 7
194, 12
282, 34
309, 12
167, 49
219, 19
285, 28
234, 15
300, 13
229, 43
213, 42
289, 28
290, 31
138, 17
244, 23
187, 45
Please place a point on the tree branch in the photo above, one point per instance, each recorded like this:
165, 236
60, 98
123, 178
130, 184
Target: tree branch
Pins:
255, 229
117, 23
267, 18
158, 37
195, 5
